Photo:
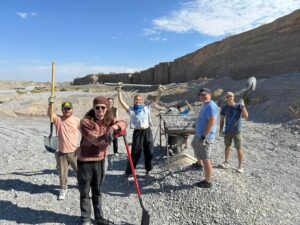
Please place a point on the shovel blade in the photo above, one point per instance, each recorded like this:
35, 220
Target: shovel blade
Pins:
145, 218
51, 143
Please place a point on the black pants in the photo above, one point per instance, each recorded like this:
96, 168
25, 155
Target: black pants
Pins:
115, 145
142, 139
90, 175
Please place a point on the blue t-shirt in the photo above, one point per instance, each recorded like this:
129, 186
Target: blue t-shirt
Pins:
208, 110
185, 112
233, 119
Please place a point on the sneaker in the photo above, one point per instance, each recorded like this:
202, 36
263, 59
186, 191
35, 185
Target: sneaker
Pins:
104, 222
224, 165
128, 177
197, 166
240, 170
62, 194
204, 184
148, 173
116, 154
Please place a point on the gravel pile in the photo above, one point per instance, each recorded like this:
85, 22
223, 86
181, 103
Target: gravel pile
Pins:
267, 193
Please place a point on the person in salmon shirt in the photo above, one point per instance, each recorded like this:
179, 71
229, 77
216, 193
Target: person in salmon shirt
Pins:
68, 133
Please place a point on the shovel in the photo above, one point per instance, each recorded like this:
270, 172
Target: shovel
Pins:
145, 215
51, 142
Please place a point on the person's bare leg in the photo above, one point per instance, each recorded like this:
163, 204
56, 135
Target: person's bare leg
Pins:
227, 153
207, 170
240, 154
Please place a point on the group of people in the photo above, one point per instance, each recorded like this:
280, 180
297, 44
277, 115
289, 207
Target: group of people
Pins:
97, 130
88, 159
100, 124
206, 129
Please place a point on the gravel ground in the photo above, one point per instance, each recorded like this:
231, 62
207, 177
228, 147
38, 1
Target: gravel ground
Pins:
267, 193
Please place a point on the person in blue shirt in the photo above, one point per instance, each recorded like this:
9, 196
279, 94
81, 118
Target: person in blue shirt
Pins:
232, 114
205, 134
182, 111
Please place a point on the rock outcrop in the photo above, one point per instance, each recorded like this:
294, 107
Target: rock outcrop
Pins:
271, 49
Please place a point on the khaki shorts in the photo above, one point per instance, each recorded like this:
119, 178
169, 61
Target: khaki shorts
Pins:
237, 139
202, 151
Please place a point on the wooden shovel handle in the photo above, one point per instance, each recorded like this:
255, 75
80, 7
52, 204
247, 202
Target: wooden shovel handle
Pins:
52, 92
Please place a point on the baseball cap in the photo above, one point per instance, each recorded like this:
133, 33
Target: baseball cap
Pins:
66, 105
205, 91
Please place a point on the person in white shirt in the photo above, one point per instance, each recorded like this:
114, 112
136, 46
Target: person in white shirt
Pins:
140, 121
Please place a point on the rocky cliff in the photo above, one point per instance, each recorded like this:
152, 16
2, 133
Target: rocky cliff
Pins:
268, 50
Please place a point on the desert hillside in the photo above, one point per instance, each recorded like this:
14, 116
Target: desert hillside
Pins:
275, 99
269, 50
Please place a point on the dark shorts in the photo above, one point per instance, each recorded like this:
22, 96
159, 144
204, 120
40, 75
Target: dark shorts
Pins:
236, 137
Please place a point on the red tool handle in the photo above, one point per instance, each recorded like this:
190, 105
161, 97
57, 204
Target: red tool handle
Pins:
132, 167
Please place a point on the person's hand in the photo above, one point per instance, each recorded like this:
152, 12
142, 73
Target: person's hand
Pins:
51, 99
161, 88
221, 133
119, 86
241, 103
202, 140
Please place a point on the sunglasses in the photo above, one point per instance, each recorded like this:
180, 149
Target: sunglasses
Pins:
202, 94
100, 107
67, 108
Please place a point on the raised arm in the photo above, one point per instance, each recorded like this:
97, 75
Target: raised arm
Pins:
120, 97
51, 109
159, 92
188, 105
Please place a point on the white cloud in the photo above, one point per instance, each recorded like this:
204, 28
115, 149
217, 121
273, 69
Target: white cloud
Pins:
34, 14
157, 38
148, 31
220, 17
25, 15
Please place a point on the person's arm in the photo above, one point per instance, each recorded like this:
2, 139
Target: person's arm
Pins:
50, 113
222, 120
119, 125
160, 91
188, 105
211, 121
117, 114
245, 113
87, 131
120, 97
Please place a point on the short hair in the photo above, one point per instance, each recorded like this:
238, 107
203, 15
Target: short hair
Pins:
135, 97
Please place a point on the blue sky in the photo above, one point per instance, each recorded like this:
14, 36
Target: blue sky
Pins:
94, 36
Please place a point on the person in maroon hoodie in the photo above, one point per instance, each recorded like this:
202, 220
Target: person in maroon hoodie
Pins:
97, 128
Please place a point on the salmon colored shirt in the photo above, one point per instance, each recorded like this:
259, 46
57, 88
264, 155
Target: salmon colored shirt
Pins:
68, 131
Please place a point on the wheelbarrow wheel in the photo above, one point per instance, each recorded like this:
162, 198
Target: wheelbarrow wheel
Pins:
177, 149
